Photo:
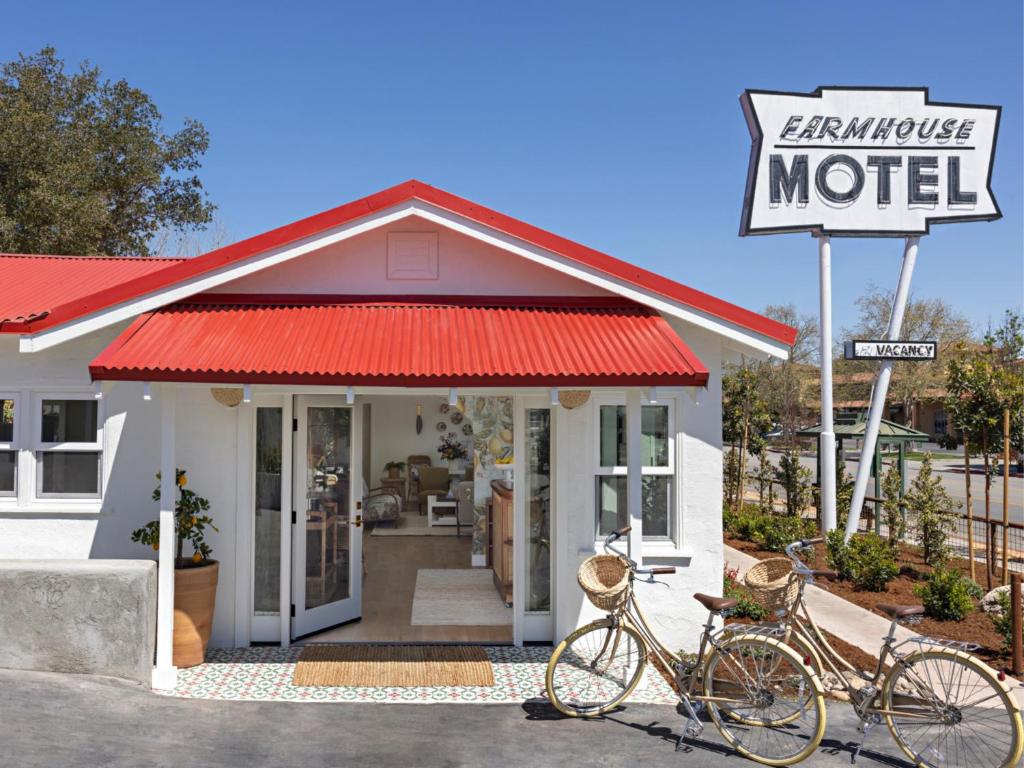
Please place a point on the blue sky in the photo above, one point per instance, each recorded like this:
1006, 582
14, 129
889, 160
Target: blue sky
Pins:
616, 126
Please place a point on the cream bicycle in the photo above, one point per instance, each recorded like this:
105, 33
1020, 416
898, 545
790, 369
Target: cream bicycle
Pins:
944, 706
760, 695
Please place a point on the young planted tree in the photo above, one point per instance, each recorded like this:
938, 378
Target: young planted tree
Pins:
787, 386
765, 484
979, 388
933, 513
892, 507
745, 418
85, 166
796, 480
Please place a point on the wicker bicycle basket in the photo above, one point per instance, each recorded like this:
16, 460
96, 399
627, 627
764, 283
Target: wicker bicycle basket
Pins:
772, 583
605, 581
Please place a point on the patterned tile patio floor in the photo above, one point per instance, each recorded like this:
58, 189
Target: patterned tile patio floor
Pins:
265, 674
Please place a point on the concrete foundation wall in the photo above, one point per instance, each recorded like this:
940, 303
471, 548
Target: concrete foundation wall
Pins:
94, 617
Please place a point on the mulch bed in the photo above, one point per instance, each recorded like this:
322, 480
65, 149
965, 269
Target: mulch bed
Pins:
976, 627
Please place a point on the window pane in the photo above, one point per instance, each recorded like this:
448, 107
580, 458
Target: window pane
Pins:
611, 504
267, 551
63, 472
613, 436
657, 492
538, 495
6, 421
654, 448
8, 464
69, 421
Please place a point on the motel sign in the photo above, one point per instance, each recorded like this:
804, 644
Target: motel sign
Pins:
866, 161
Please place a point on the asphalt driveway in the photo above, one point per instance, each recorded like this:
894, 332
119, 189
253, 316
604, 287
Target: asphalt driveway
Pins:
49, 720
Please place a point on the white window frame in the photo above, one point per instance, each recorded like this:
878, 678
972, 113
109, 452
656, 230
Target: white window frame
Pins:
38, 446
668, 470
14, 444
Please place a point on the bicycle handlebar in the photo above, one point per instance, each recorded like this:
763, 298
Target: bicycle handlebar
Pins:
609, 545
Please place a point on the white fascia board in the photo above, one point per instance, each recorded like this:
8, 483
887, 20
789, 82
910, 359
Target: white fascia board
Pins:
209, 280
755, 342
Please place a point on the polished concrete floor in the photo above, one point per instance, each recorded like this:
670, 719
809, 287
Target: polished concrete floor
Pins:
389, 582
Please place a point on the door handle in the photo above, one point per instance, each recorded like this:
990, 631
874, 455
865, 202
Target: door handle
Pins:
358, 522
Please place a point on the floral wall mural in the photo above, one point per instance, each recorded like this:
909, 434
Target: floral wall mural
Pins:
491, 419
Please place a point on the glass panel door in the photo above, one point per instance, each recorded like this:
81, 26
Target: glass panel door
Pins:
538, 510
326, 583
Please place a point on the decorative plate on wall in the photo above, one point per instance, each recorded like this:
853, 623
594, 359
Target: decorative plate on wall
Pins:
441, 426
457, 418
467, 428
445, 407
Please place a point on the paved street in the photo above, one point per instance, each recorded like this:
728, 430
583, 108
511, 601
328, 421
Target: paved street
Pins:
48, 719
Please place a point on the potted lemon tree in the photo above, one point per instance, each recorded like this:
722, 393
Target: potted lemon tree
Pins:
195, 574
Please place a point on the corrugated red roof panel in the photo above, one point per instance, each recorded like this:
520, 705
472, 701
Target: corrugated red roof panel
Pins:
440, 342
33, 285
402, 193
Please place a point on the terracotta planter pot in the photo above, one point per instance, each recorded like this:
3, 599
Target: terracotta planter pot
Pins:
195, 594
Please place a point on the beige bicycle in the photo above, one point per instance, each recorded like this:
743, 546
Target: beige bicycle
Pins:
944, 706
766, 703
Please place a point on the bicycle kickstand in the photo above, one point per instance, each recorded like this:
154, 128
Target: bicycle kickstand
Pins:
694, 727
864, 727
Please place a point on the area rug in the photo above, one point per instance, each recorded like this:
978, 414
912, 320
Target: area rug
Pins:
414, 524
461, 597
400, 666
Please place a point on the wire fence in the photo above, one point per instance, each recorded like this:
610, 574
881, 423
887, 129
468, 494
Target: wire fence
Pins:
993, 542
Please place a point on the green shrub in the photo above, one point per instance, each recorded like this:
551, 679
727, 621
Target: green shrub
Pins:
934, 513
1003, 621
948, 595
775, 532
867, 561
747, 607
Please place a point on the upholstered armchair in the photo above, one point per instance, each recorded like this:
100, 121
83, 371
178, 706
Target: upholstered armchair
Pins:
433, 482
414, 464
465, 513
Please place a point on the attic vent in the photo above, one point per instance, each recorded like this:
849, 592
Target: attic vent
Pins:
412, 255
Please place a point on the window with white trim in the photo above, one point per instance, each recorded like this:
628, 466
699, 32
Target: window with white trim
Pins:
9, 423
67, 446
658, 463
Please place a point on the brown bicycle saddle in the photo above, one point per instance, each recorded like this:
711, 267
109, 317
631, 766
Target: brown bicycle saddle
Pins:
715, 603
900, 611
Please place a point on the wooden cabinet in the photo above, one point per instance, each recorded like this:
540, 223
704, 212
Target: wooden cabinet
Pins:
501, 541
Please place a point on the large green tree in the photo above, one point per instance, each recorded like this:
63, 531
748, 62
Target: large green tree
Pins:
85, 167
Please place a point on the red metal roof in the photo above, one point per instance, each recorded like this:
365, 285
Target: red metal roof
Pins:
33, 285
422, 342
409, 190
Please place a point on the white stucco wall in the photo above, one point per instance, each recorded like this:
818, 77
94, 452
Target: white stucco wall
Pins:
359, 266
676, 617
131, 458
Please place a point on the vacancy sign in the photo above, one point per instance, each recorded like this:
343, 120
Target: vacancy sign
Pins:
890, 350
866, 161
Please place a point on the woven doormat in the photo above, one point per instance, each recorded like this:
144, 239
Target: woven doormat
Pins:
402, 666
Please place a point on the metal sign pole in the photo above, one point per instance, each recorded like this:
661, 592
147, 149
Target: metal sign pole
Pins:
881, 388
827, 439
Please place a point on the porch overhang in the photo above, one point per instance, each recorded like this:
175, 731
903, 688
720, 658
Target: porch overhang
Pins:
400, 341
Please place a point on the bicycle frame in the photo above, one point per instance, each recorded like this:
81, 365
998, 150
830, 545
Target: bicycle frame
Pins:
798, 620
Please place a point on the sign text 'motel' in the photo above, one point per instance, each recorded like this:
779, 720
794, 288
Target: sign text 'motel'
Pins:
890, 350
866, 161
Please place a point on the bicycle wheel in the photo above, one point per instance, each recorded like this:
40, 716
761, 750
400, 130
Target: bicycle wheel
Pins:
948, 708
595, 668
764, 701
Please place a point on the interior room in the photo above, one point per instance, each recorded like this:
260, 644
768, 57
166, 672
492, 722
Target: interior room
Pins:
428, 518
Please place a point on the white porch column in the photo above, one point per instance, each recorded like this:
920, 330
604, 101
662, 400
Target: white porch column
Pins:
634, 478
165, 675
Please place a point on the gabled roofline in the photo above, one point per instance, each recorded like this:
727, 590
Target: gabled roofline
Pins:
377, 209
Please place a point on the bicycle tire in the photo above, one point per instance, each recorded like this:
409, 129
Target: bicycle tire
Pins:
570, 671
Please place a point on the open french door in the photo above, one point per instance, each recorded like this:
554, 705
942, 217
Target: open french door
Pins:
327, 536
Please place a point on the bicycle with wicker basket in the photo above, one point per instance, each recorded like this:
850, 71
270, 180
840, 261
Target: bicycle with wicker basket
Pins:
760, 695
944, 706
